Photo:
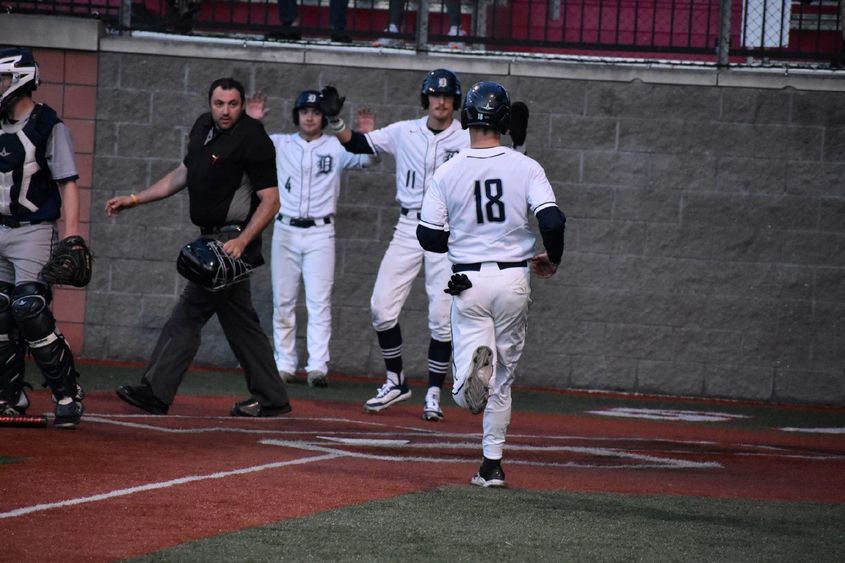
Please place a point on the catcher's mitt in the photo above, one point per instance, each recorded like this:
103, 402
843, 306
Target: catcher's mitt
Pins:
70, 263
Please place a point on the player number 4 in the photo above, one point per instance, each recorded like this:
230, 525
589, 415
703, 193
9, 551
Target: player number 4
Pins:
488, 205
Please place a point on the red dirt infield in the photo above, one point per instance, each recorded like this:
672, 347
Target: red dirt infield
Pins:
125, 484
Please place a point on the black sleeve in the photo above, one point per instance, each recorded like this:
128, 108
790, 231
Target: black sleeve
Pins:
552, 223
358, 144
433, 240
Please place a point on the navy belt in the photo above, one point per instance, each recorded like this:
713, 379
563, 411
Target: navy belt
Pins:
405, 211
304, 222
217, 229
476, 266
12, 223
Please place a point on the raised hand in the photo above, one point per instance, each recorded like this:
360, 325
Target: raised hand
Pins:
365, 120
256, 106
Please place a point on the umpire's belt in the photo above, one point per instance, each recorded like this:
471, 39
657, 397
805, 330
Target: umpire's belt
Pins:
412, 212
219, 229
476, 266
304, 222
11, 222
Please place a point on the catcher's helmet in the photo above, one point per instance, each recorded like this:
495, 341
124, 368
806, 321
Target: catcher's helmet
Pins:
205, 263
308, 99
441, 81
19, 63
487, 104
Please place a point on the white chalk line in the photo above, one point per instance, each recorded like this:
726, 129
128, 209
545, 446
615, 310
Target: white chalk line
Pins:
159, 485
660, 462
832, 430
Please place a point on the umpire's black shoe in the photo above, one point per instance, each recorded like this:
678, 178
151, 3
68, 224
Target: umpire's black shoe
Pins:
251, 407
141, 396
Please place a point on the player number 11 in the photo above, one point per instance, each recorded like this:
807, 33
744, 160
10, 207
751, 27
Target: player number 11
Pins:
489, 205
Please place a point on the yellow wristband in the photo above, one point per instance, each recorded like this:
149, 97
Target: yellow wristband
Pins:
134, 200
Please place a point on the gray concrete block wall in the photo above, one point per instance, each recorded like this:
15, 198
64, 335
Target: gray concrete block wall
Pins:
705, 245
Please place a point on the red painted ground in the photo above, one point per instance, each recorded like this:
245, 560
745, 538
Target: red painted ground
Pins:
546, 451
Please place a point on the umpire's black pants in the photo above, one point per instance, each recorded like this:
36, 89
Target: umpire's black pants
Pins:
181, 336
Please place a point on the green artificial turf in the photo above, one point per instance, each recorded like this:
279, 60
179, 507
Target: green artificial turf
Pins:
472, 524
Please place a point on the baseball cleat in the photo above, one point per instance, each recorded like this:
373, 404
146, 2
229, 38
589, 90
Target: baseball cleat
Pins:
493, 477
286, 376
16, 407
317, 379
477, 381
389, 393
490, 473
69, 414
431, 410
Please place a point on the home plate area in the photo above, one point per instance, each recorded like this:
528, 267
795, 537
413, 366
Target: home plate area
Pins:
381, 441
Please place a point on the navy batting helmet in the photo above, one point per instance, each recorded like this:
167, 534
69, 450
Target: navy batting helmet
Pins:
308, 99
487, 104
21, 65
205, 263
441, 81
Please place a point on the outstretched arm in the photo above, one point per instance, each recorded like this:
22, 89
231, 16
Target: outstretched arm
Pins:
169, 184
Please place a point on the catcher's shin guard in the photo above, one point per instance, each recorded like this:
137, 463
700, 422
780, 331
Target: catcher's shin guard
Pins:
48, 347
12, 350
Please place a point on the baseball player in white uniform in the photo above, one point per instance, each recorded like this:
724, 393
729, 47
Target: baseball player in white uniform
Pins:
308, 165
476, 209
420, 146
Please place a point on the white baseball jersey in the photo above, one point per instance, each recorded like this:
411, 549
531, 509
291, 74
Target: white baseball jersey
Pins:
309, 173
418, 152
309, 184
485, 196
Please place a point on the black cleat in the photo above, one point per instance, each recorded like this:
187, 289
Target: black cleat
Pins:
68, 415
490, 474
141, 396
252, 408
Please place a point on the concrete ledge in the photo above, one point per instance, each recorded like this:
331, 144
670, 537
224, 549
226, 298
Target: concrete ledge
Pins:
51, 32
203, 48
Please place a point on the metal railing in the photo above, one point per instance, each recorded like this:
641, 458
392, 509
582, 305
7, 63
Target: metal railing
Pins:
724, 31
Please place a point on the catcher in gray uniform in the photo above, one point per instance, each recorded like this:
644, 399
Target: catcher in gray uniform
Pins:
37, 186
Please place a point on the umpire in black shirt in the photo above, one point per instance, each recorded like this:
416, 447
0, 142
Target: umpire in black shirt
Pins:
230, 173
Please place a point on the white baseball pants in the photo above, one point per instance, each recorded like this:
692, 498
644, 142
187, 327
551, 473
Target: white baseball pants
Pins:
307, 254
492, 313
399, 267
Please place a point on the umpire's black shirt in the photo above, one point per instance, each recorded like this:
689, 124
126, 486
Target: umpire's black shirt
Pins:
225, 169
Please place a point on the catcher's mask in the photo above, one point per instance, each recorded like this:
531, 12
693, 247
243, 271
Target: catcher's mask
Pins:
19, 74
205, 263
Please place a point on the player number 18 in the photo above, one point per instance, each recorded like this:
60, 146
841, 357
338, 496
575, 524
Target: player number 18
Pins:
488, 205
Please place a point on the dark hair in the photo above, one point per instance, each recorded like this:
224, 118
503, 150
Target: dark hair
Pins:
227, 84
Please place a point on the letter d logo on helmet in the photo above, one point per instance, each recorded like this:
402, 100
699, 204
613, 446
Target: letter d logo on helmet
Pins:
442, 82
205, 263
